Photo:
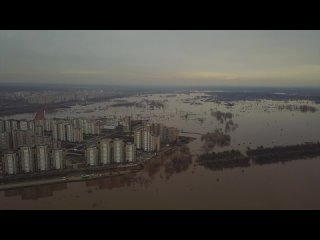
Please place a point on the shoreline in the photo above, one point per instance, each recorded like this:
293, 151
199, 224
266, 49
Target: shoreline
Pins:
83, 174
80, 178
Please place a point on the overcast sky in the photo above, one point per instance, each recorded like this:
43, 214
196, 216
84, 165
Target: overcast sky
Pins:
234, 58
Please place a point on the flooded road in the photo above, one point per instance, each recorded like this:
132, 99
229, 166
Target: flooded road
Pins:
176, 181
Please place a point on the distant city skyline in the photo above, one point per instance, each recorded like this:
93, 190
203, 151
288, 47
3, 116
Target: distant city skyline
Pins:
191, 58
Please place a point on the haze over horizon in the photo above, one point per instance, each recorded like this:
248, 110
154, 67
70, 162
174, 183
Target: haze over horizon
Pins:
230, 58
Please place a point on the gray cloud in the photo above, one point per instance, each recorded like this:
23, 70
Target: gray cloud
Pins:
161, 57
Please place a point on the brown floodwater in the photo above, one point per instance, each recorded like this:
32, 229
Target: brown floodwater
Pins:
176, 181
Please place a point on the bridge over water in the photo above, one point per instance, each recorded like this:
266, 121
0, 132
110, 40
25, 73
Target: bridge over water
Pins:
192, 132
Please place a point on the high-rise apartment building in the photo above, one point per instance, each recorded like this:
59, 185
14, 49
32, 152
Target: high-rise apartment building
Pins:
155, 143
91, 155
27, 159
4, 141
130, 152
47, 125
138, 137
23, 125
69, 133
118, 148
146, 140
39, 130
58, 162
31, 126
61, 132
2, 126
54, 129
77, 135
7, 125
42, 158
105, 151
14, 125
10, 160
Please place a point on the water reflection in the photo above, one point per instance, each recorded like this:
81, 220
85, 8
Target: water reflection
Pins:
36, 192
284, 154
301, 108
221, 116
172, 162
230, 126
246, 124
217, 138
112, 182
179, 161
221, 160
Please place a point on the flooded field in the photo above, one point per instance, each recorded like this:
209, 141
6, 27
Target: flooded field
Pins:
177, 181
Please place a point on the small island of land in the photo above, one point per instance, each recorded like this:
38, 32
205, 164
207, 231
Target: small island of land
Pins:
263, 155
226, 159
